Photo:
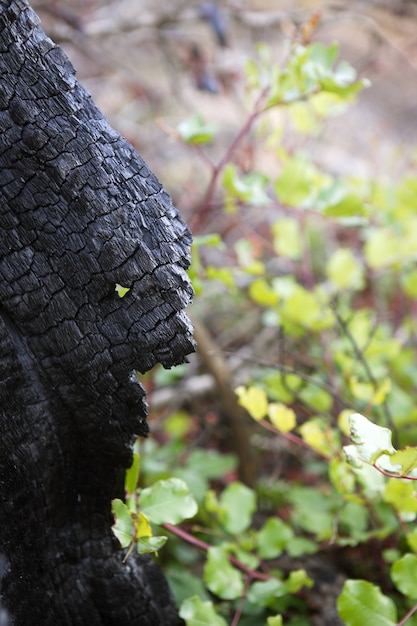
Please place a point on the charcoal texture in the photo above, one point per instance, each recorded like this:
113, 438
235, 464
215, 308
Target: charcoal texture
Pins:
80, 213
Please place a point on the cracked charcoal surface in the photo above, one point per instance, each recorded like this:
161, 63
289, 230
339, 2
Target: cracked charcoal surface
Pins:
79, 212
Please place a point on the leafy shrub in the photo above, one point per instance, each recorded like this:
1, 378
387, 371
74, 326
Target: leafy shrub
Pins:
342, 308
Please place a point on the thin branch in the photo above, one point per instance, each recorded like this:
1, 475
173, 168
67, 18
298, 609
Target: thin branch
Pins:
293, 438
202, 545
239, 610
408, 615
390, 475
207, 200
335, 393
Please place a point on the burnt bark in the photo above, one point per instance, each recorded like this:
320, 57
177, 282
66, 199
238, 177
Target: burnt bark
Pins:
79, 213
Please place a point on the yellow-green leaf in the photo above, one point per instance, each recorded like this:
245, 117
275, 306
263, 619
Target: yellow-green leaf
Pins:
401, 495
344, 270
121, 291
254, 400
407, 458
317, 436
142, 525
282, 417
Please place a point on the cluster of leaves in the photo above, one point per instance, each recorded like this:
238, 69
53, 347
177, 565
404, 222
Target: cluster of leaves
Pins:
343, 300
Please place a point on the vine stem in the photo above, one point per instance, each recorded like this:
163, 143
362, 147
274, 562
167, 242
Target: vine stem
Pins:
381, 471
239, 610
409, 614
202, 545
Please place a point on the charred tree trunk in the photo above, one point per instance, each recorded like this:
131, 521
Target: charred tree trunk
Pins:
79, 213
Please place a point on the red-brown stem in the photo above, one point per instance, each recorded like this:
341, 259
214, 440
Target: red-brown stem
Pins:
381, 471
198, 218
409, 614
202, 545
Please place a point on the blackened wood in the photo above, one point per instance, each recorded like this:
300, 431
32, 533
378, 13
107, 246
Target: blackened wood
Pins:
80, 212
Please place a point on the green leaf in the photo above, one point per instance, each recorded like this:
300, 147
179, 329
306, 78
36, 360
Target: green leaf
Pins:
362, 604
195, 130
250, 188
382, 248
123, 526
224, 580
342, 476
184, 582
273, 538
196, 612
276, 620
404, 575
238, 503
147, 545
295, 184
210, 463
168, 501
121, 291
344, 270
412, 540
132, 474
287, 238
301, 545
298, 579
264, 593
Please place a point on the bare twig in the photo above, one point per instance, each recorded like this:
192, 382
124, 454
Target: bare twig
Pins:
236, 415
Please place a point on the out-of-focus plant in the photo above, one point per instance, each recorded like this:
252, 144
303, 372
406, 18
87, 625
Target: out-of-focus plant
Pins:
343, 304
